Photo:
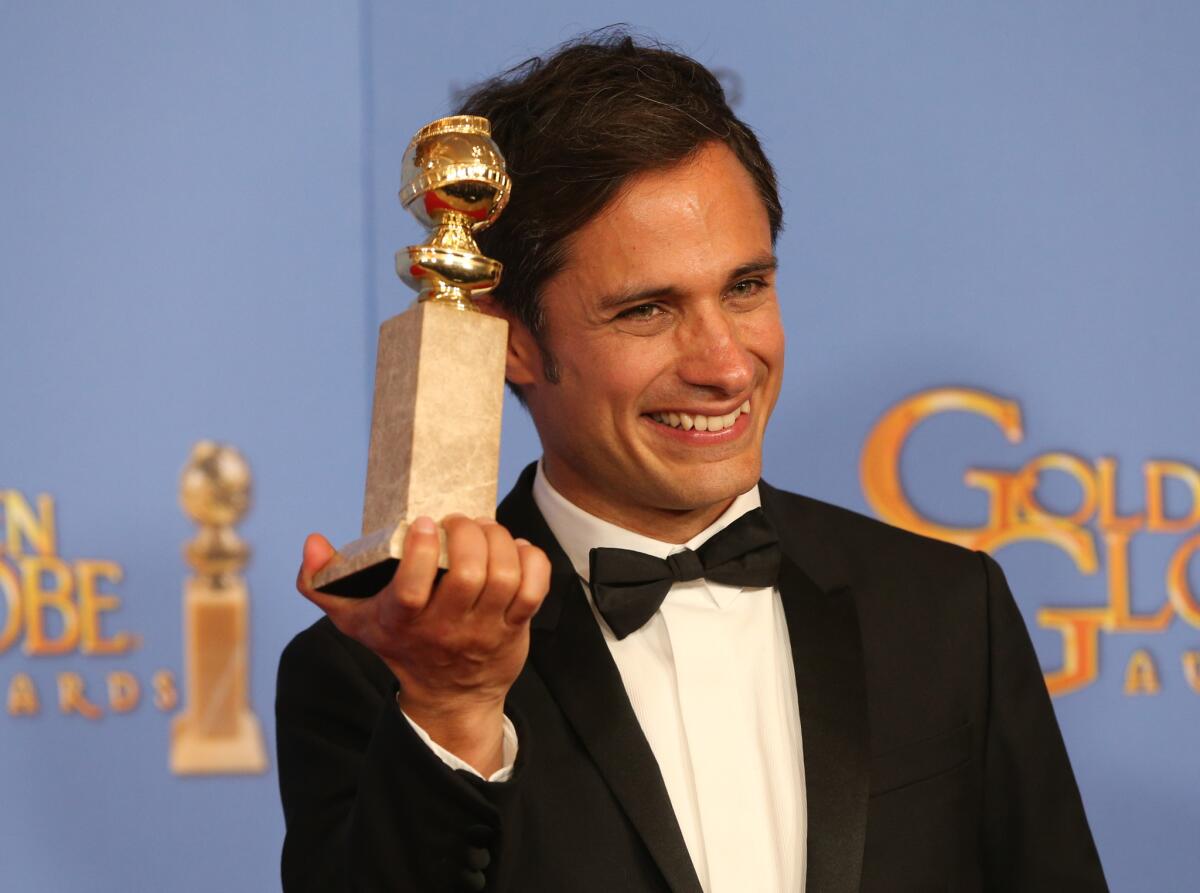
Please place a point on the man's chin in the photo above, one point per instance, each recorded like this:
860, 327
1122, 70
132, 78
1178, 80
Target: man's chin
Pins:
699, 489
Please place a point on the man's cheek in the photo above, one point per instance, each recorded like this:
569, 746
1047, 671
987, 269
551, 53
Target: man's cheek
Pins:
628, 379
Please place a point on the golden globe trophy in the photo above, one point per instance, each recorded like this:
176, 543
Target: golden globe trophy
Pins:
439, 370
217, 732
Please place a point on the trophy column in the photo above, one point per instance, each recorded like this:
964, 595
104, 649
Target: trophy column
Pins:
439, 370
217, 732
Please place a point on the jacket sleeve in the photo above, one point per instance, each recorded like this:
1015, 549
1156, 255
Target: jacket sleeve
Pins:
367, 805
1036, 835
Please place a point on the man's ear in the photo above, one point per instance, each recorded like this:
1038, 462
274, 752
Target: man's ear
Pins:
523, 362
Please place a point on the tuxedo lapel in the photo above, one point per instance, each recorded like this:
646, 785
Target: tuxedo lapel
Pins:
576, 667
568, 651
831, 690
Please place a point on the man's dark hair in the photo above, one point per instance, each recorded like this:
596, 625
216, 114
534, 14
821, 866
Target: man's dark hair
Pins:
574, 127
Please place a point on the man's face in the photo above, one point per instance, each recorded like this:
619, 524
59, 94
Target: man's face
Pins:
664, 325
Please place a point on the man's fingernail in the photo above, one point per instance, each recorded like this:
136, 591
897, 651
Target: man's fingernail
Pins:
424, 524
521, 541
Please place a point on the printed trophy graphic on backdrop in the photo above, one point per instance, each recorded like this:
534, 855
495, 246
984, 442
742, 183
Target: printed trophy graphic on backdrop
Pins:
216, 732
439, 371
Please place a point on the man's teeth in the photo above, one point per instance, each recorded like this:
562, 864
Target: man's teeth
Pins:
700, 422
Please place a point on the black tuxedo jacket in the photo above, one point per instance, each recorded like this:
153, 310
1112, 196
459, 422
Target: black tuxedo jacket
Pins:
932, 758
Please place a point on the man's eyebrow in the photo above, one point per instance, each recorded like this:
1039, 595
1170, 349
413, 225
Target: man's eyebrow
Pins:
765, 264
768, 263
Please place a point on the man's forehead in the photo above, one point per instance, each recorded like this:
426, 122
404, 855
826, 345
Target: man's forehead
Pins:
712, 170
703, 215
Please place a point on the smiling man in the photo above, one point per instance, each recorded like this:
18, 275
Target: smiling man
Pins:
656, 672
667, 348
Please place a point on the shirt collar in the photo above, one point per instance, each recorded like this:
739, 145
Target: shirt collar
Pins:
578, 532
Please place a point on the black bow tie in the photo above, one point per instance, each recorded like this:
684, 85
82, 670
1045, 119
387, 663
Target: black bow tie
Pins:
628, 586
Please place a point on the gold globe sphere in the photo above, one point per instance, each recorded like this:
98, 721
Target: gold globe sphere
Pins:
214, 488
454, 181
452, 165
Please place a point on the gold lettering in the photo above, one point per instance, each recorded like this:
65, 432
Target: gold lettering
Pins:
72, 699
21, 522
92, 603
879, 466
1071, 465
22, 696
124, 692
1178, 590
57, 597
1141, 674
1120, 616
1012, 507
12, 600
1156, 514
1109, 517
1191, 669
1004, 502
1080, 629
166, 697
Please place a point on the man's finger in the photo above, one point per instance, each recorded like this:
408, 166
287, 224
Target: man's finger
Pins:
503, 570
316, 554
345, 613
535, 583
413, 581
466, 554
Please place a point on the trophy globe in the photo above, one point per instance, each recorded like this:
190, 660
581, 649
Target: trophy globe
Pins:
214, 491
453, 180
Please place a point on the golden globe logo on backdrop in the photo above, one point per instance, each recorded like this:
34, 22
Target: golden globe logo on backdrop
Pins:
1094, 534
54, 606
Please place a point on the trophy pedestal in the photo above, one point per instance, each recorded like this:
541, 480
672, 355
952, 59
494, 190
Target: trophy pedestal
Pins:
194, 753
217, 733
435, 436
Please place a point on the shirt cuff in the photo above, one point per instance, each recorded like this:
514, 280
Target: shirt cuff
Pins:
508, 751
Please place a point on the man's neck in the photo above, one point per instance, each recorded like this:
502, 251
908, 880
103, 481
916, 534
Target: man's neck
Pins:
665, 525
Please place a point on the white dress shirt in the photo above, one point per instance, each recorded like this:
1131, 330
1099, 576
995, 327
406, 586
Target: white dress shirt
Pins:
711, 682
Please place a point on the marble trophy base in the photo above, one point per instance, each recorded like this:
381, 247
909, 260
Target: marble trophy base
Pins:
435, 437
217, 733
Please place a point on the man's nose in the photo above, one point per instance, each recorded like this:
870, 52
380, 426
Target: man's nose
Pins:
712, 354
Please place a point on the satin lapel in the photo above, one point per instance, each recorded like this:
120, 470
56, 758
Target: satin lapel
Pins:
827, 655
568, 651
831, 688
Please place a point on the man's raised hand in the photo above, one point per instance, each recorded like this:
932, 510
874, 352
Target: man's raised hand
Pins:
456, 644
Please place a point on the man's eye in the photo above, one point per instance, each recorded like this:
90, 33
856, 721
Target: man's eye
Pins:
747, 287
640, 312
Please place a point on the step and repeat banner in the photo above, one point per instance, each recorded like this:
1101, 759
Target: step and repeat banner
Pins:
992, 297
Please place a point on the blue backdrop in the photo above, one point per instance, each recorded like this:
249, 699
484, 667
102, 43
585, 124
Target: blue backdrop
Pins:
196, 241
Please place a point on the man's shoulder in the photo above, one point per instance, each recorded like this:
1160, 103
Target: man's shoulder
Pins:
858, 544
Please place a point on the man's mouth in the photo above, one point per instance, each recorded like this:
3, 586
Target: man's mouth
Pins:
691, 421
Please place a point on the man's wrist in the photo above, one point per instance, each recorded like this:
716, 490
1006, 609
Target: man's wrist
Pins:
509, 749
474, 733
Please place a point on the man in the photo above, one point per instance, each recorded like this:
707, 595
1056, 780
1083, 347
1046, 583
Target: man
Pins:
657, 672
